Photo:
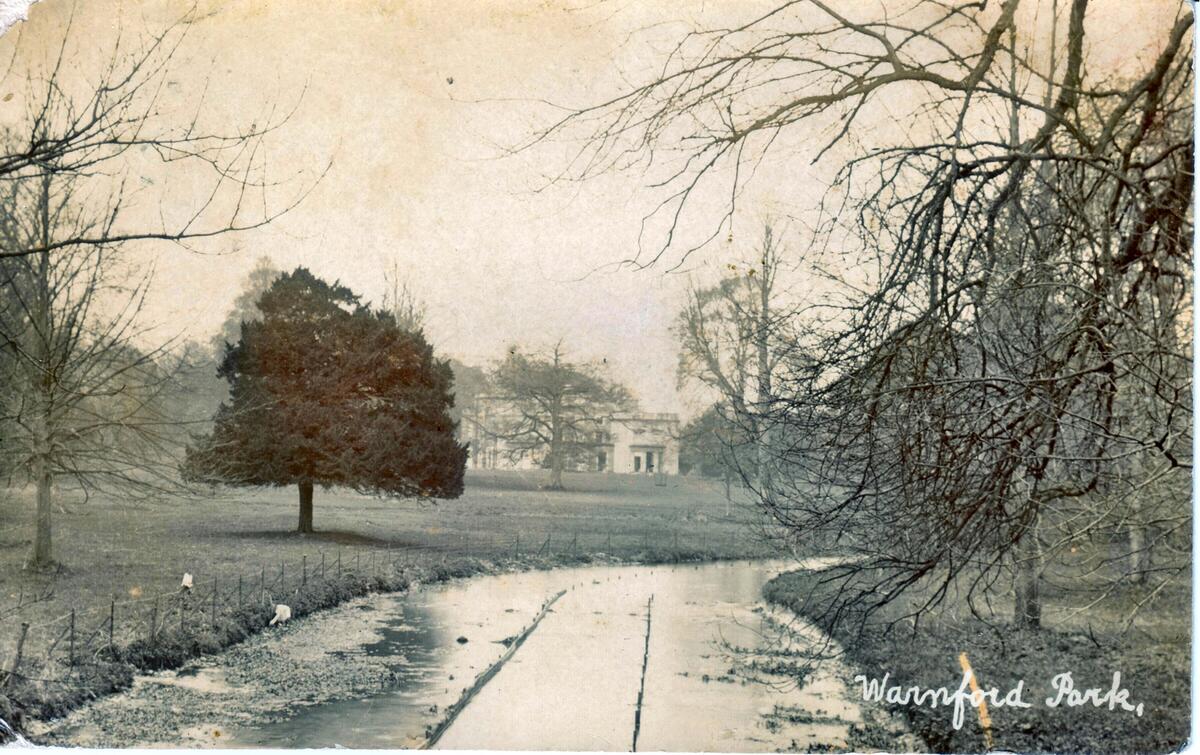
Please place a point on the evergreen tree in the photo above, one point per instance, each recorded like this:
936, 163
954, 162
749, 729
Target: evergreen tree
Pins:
325, 391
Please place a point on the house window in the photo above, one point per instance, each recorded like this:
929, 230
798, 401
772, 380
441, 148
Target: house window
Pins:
601, 461
637, 463
649, 461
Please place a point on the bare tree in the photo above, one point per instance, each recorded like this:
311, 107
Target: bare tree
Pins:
551, 408
731, 340
1015, 278
86, 399
88, 389
401, 300
245, 305
96, 127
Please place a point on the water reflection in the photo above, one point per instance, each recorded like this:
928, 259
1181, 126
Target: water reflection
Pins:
573, 685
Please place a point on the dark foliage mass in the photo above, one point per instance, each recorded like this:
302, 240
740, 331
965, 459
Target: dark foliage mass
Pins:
709, 443
326, 391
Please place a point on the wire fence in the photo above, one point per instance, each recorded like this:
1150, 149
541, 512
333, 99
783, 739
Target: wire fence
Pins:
57, 650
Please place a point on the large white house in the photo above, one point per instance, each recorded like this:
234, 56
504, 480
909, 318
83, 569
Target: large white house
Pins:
640, 444
625, 443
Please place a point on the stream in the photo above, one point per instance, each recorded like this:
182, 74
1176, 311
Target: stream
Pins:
383, 671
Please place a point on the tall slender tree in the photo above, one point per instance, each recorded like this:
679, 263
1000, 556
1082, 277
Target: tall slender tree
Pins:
732, 339
84, 398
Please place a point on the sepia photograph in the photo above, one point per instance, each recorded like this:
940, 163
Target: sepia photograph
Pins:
722, 376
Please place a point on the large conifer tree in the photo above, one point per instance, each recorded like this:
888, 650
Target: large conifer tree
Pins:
325, 391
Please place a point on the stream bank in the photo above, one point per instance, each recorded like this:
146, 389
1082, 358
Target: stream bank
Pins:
382, 670
30, 697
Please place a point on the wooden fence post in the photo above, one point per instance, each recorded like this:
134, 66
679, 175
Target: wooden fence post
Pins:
239, 592
262, 586
71, 646
16, 664
112, 615
213, 615
154, 621
303, 571
322, 565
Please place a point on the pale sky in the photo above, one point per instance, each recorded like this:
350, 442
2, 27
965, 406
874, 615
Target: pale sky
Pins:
410, 100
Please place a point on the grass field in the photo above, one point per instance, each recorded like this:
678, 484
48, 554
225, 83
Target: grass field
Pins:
124, 550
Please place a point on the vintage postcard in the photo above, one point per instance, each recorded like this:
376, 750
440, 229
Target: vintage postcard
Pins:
597, 375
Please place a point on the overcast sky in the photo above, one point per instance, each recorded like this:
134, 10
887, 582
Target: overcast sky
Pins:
410, 102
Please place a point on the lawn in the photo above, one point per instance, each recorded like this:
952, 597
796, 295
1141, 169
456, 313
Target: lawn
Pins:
126, 551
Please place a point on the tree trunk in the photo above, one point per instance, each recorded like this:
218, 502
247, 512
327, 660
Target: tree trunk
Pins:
556, 470
306, 500
556, 455
762, 347
44, 390
1027, 611
42, 556
1138, 555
